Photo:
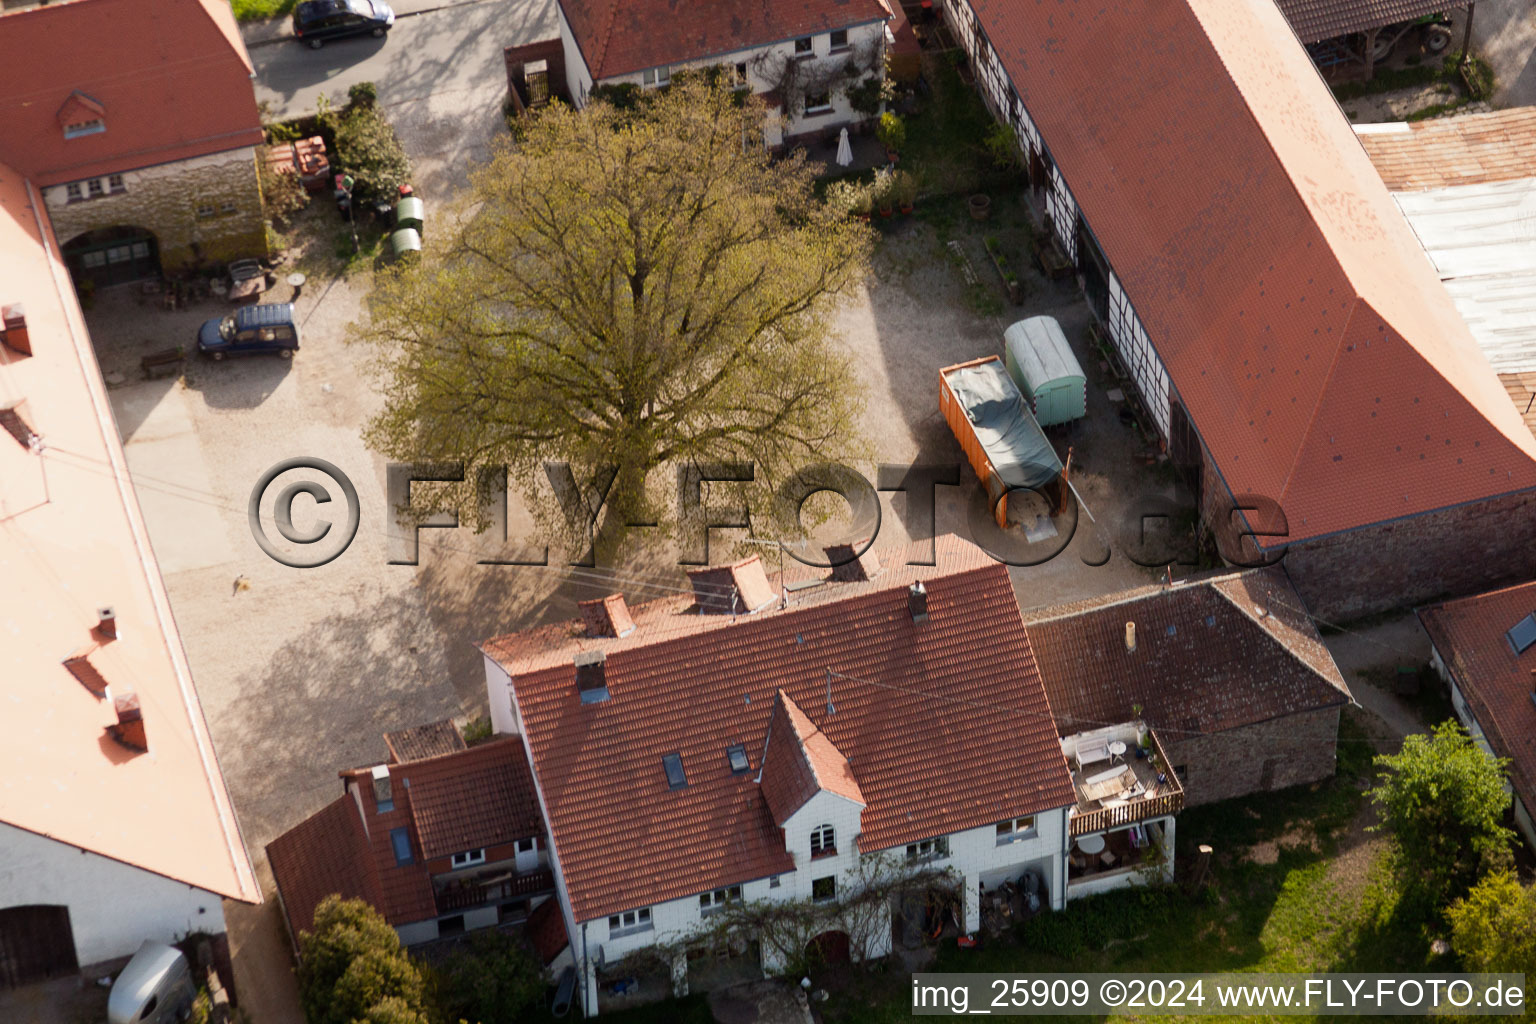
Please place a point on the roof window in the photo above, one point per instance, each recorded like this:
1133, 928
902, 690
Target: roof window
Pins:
672, 764
591, 676
737, 755
1523, 634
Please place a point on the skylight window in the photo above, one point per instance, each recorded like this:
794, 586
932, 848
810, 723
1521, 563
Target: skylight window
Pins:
1523, 634
737, 754
673, 764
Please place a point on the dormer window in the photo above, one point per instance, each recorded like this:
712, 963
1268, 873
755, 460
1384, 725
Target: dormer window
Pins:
823, 841
672, 764
95, 126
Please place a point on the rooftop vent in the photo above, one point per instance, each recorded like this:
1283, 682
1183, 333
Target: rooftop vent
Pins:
129, 730
13, 320
736, 754
607, 616
1523, 634
917, 601
1130, 637
732, 589
850, 567
79, 666
106, 624
672, 764
591, 676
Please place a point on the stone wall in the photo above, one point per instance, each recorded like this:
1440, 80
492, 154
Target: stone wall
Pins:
209, 206
1257, 758
1450, 552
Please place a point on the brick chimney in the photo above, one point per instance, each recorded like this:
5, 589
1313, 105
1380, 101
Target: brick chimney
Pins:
79, 666
848, 568
129, 730
13, 319
746, 581
106, 627
606, 617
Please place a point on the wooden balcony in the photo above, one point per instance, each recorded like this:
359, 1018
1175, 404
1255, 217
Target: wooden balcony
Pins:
459, 894
1160, 799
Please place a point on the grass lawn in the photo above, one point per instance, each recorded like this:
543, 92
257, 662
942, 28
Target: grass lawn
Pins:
945, 146
255, 10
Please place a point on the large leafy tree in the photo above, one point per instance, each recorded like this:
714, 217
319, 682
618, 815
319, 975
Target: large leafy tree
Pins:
633, 288
1493, 927
353, 969
1443, 800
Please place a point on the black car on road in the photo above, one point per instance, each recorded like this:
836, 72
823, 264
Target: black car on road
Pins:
315, 21
264, 327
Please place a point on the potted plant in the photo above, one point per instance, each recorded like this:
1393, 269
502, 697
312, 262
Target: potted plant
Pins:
892, 133
883, 193
904, 191
850, 196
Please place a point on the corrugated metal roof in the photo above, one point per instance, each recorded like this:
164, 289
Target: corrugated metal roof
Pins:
1481, 240
1316, 20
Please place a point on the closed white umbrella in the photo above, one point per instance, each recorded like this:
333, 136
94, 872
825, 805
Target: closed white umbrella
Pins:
844, 150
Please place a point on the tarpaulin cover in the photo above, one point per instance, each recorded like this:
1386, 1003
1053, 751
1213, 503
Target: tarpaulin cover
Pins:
1019, 452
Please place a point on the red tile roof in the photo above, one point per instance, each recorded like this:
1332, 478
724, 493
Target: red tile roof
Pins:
326, 854
1473, 149
945, 722
1317, 354
172, 79
618, 37
1210, 655
1316, 20
451, 803
1495, 682
799, 762
423, 741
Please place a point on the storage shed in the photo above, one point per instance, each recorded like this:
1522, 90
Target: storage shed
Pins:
1001, 439
1049, 376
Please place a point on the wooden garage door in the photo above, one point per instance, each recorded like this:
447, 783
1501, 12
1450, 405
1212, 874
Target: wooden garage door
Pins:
36, 942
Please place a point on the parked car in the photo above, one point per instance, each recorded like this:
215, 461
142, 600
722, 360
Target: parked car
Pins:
155, 988
315, 21
263, 327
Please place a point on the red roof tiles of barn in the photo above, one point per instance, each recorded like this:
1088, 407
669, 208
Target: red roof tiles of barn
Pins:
326, 854
478, 797
1473, 149
1495, 682
171, 78
945, 722
1210, 654
1319, 357
618, 37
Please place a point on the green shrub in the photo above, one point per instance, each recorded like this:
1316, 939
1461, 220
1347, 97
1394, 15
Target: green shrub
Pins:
891, 131
492, 978
368, 149
1003, 144
477, 730
363, 94
623, 95
353, 967
866, 96
1493, 927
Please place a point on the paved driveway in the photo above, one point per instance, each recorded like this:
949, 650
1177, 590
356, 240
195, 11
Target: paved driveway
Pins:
440, 74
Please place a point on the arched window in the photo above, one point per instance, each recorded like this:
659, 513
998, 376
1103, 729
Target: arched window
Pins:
823, 840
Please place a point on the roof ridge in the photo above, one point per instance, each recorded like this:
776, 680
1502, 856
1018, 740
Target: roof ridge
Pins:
607, 37
1072, 609
1290, 651
1303, 441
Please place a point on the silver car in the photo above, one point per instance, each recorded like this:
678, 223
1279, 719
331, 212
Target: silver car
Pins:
155, 988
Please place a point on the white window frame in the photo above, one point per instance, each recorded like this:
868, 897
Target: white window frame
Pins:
73, 192
819, 108
630, 922
526, 846
837, 47
824, 899
95, 188
204, 212
823, 841
115, 183
713, 902
80, 129
1015, 829
469, 858
810, 48
936, 848
655, 78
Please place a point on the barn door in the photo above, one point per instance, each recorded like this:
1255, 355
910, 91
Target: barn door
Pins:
36, 943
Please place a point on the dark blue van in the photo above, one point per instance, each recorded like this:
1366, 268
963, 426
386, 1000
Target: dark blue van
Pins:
264, 327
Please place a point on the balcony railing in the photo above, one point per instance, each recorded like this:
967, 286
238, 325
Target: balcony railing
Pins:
465, 894
1169, 800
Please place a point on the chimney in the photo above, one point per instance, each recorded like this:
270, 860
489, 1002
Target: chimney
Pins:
591, 676
606, 617
1130, 637
13, 319
383, 790
917, 601
107, 626
79, 666
129, 730
848, 567
731, 589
